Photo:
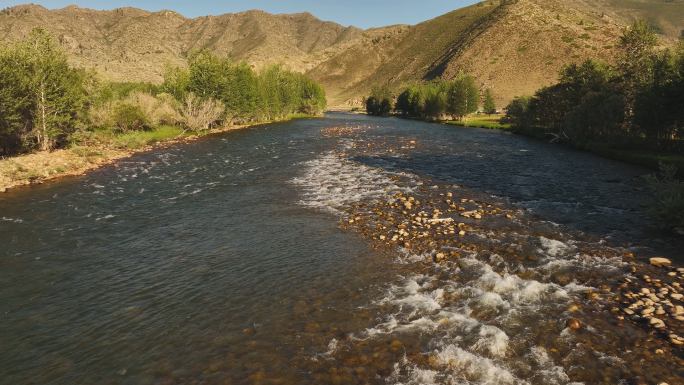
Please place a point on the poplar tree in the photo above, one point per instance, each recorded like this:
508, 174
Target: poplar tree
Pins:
41, 98
488, 106
462, 96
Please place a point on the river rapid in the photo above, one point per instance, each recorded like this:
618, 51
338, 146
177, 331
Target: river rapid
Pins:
287, 254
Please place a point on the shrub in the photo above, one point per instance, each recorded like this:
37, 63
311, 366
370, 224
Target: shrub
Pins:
157, 110
127, 116
200, 114
667, 209
101, 115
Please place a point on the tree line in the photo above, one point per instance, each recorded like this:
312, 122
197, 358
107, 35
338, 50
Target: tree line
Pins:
46, 104
437, 99
636, 103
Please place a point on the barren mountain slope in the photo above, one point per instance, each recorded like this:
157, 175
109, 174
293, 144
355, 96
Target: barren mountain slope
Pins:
529, 45
512, 49
129, 44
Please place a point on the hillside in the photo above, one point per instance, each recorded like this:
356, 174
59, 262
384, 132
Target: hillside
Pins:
129, 44
513, 49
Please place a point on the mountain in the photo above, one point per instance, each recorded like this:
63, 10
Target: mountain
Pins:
129, 44
512, 49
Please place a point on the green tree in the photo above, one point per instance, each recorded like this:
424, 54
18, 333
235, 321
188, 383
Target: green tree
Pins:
667, 208
176, 81
380, 102
636, 64
488, 106
402, 105
16, 103
435, 102
517, 113
312, 96
462, 96
659, 108
43, 99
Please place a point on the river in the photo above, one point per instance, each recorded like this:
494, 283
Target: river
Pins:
264, 255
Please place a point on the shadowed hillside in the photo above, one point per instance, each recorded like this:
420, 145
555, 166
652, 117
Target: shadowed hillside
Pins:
512, 49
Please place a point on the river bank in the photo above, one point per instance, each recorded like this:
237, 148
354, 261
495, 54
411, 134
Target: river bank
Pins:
44, 166
649, 159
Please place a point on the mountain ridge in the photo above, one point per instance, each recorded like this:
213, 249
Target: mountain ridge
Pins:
512, 49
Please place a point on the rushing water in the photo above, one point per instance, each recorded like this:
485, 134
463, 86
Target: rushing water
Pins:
223, 261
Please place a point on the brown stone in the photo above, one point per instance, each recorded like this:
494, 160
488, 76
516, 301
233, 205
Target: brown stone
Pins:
574, 323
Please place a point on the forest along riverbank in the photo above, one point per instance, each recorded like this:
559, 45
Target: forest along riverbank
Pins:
494, 294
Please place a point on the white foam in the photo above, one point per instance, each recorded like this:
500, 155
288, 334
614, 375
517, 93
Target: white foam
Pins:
467, 347
12, 220
470, 368
331, 182
553, 247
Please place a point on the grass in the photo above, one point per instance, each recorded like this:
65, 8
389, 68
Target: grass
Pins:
139, 139
481, 121
288, 117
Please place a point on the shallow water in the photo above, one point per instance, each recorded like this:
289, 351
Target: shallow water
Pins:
223, 260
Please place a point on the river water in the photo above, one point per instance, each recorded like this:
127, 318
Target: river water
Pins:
232, 259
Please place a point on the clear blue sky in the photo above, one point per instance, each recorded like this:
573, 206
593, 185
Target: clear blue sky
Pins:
360, 13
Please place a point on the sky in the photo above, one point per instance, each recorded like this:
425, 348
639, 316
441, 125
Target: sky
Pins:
359, 13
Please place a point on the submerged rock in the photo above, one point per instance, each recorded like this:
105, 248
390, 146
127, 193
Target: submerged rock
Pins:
574, 323
657, 261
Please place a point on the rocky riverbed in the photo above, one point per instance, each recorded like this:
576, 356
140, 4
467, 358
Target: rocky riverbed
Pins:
621, 317
344, 250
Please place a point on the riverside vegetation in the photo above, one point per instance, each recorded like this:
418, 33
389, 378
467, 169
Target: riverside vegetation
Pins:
47, 105
632, 110
438, 100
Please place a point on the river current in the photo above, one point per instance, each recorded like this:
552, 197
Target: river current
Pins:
240, 258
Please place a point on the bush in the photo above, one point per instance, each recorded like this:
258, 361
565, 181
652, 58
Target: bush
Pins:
127, 116
667, 209
162, 109
201, 114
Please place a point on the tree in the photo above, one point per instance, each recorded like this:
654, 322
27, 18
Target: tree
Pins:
462, 96
312, 97
435, 102
15, 101
43, 100
380, 102
274, 93
176, 81
517, 113
488, 106
200, 114
636, 65
638, 39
